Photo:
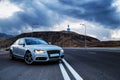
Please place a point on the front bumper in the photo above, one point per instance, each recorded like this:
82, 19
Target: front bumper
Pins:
47, 57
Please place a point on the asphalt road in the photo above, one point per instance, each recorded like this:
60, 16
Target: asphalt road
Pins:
18, 70
90, 64
95, 64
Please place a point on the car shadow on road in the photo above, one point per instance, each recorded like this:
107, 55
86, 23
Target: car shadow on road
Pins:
21, 61
5, 59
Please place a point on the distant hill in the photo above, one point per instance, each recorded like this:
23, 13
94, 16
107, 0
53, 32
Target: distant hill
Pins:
5, 36
105, 44
61, 38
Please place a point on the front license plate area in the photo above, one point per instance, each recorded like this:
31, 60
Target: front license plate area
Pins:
54, 55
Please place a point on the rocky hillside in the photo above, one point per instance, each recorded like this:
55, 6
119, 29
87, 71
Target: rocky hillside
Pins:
105, 44
61, 38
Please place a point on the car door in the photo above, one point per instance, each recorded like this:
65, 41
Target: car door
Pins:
21, 47
15, 47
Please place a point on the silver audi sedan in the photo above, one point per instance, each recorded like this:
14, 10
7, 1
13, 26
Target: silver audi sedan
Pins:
35, 50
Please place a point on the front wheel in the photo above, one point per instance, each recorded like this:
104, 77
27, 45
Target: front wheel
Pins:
28, 58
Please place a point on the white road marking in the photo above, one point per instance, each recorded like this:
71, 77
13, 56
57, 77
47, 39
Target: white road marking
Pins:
74, 73
64, 72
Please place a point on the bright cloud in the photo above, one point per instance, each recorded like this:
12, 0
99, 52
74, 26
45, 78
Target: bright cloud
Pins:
115, 34
117, 5
7, 9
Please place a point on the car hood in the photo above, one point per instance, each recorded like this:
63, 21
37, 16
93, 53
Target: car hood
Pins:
44, 47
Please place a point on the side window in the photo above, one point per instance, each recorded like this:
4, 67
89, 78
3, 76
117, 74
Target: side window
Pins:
21, 42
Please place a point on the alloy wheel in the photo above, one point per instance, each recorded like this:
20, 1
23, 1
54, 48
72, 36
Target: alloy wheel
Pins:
28, 58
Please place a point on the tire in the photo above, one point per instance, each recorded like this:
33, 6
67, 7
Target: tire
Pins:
28, 58
11, 55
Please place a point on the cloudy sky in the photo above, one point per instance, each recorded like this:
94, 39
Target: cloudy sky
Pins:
101, 17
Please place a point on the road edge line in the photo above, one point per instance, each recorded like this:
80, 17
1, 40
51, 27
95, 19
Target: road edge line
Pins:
64, 72
74, 73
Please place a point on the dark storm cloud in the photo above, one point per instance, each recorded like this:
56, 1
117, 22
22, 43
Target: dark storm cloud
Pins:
47, 13
11, 24
33, 14
100, 11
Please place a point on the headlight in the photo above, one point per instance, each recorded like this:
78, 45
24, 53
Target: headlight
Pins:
39, 51
62, 51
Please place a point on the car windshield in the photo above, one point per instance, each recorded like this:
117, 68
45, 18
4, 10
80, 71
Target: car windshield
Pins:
34, 41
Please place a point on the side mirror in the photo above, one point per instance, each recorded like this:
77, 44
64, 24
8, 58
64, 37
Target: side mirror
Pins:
23, 44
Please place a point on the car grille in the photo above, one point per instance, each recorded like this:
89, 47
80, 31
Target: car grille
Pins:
53, 52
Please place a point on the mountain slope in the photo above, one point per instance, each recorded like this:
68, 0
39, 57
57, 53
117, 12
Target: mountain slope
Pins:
61, 38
